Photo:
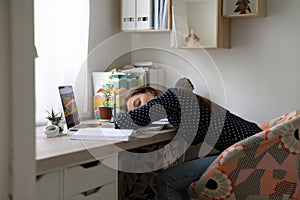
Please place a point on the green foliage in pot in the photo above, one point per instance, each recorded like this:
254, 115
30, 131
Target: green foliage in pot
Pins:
55, 118
107, 92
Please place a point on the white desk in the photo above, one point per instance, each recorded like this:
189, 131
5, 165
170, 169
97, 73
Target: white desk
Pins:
59, 163
53, 153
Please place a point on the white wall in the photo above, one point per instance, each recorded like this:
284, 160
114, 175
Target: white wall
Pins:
255, 79
105, 21
105, 42
261, 70
17, 165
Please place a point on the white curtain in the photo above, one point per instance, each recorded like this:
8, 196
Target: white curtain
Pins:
61, 40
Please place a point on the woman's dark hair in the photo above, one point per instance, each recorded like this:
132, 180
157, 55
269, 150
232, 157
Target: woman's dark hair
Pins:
140, 90
155, 92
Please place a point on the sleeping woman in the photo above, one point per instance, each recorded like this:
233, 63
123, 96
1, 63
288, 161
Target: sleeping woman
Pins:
195, 118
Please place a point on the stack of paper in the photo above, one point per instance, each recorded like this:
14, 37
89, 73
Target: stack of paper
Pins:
109, 133
103, 134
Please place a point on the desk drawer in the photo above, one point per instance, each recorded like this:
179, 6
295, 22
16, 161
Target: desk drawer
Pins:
48, 186
105, 192
84, 177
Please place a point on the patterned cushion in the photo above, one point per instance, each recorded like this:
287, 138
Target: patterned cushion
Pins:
263, 166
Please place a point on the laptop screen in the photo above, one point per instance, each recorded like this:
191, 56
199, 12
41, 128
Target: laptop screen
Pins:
69, 105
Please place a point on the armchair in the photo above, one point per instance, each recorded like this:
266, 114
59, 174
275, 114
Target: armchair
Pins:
265, 166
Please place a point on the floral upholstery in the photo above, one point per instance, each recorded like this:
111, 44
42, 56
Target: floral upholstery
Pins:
264, 166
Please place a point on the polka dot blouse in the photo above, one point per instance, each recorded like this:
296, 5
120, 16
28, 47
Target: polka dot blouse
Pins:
195, 119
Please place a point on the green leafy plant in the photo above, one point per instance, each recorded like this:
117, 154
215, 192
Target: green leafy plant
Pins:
55, 118
107, 92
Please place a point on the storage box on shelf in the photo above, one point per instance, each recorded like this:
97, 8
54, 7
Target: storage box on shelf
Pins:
145, 15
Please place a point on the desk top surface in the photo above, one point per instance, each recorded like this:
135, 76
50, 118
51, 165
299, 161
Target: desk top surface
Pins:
58, 152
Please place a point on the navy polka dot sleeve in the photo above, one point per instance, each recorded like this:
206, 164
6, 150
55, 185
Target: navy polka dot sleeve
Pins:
165, 105
195, 119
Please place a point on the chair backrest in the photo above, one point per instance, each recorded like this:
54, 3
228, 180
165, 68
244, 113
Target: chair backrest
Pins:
263, 166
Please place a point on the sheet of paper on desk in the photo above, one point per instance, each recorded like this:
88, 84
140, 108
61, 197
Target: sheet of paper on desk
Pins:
155, 126
103, 134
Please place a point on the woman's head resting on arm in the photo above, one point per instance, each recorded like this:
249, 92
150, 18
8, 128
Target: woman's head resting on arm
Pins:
137, 97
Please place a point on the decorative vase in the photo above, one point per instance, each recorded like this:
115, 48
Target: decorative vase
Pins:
192, 40
105, 113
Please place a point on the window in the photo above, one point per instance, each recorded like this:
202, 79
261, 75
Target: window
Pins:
61, 40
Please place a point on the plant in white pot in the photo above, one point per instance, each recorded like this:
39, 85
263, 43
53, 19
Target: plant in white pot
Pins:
55, 119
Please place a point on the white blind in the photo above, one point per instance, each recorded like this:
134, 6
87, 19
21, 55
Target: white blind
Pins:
61, 40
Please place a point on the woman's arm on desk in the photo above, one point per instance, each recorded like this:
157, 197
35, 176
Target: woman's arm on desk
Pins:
193, 116
163, 106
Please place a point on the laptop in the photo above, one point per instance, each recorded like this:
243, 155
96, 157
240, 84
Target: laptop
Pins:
70, 109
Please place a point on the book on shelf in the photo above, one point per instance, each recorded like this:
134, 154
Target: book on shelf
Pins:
164, 23
155, 14
160, 14
174, 34
161, 8
144, 12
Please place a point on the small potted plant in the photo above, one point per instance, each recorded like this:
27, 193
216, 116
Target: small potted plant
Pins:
55, 119
106, 110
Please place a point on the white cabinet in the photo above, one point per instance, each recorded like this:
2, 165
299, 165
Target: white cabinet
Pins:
128, 15
105, 192
145, 15
89, 177
49, 186
87, 181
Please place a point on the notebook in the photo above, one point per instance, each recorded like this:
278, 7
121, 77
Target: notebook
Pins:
104, 134
70, 109
109, 133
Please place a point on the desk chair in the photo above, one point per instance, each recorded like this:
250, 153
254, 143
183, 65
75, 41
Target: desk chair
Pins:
265, 166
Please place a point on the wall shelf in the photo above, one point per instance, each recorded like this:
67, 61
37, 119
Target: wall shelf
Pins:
193, 24
199, 24
147, 31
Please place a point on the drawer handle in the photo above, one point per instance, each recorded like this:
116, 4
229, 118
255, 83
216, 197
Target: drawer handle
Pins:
39, 177
91, 191
91, 164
